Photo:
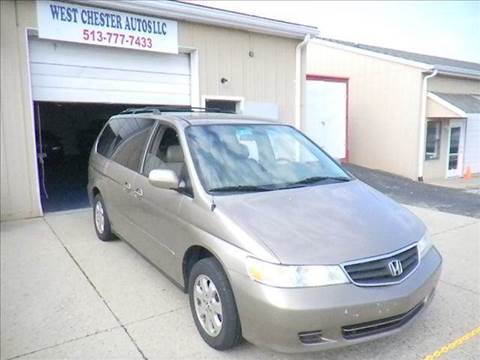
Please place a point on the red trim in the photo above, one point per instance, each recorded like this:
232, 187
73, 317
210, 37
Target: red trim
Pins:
327, 78
345, 80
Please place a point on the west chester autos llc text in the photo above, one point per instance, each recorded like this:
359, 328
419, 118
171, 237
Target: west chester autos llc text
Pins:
107, 19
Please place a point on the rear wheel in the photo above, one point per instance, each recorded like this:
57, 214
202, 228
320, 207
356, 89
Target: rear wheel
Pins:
213, 305
101, 220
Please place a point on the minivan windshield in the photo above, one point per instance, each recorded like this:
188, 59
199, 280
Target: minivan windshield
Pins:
233, 158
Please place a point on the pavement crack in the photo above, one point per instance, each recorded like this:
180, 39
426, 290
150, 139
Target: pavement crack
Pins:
156, 315
455, 228
459, 287
97, 291
63, 343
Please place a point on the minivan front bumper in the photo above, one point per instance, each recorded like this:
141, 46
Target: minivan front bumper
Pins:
312, 319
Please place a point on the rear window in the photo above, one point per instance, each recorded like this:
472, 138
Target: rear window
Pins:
124, 139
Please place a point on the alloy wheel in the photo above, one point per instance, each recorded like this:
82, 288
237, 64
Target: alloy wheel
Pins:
208, 305
99, 217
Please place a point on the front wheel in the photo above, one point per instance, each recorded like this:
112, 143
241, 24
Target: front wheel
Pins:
213, 305
101, 220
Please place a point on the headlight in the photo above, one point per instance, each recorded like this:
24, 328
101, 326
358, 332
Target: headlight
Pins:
424, 245
292, 276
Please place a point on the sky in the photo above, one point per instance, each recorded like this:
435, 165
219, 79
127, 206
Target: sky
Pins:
442, 28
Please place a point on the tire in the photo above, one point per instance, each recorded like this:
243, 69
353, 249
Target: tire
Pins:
230, 333
104, 232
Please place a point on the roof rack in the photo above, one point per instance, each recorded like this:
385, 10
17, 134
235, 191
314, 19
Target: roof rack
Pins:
165, 109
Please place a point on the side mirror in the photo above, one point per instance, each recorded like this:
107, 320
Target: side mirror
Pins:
164, 179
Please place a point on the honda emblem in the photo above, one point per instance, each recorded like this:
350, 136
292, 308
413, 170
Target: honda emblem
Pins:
395, 267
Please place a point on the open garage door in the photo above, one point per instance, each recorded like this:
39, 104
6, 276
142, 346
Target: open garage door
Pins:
76, 88
70, 72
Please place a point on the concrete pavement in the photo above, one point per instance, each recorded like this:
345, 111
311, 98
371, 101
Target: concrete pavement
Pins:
471, 185
65, 294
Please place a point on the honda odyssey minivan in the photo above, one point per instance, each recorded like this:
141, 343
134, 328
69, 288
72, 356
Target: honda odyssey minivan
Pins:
272, 239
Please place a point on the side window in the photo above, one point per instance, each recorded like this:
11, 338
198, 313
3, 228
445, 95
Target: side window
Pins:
432, 144
165, 152
124, 140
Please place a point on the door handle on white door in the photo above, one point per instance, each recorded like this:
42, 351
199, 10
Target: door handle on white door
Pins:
138, 193
127, 186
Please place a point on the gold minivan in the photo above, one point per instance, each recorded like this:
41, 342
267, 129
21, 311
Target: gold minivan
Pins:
272, 239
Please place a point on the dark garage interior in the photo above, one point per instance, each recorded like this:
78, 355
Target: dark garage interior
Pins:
65, 133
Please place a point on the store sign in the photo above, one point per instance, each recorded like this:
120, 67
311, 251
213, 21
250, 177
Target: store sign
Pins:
88, 25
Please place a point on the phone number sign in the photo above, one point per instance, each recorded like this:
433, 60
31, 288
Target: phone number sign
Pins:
89, 25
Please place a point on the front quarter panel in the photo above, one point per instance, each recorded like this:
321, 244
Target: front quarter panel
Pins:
208, 229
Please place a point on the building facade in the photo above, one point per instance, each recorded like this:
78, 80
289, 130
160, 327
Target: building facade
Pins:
410, 114
67, 66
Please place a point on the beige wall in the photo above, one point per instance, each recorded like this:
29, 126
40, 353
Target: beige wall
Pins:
18, 165
435, 110
452, 85
384, 107
267, 77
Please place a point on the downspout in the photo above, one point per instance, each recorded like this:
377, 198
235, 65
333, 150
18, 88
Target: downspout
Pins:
423, 126
298, 80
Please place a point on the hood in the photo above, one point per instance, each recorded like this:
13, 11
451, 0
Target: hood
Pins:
323, 224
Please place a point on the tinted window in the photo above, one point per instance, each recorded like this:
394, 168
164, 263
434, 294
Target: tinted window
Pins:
124, 140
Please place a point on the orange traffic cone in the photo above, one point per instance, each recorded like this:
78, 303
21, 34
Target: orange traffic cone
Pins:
468, 174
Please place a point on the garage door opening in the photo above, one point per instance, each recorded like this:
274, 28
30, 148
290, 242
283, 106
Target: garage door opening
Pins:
65, 133
75, 89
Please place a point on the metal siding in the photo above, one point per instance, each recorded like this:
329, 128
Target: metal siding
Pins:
384, 107
472, 144
453, 85
18, 170
267, 77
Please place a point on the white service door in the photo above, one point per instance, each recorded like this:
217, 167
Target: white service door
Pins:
70, 72
472, 143
456, 147
326, 115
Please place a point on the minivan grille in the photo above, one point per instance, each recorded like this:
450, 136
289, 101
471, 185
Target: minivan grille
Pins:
377, 272
378, 326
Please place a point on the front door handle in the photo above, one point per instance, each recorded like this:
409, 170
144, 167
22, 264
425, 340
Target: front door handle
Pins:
127, 186
138, 193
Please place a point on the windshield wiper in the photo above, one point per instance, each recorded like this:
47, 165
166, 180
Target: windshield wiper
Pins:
240, 188
315, 179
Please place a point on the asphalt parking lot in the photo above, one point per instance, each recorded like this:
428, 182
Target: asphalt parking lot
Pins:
65, 294
456, 201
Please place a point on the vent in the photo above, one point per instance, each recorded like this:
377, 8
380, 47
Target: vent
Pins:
310, 337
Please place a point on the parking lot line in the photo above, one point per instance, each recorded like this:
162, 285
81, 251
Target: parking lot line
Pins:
454, 344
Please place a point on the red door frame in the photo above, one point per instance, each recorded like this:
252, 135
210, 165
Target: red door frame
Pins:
345, 80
